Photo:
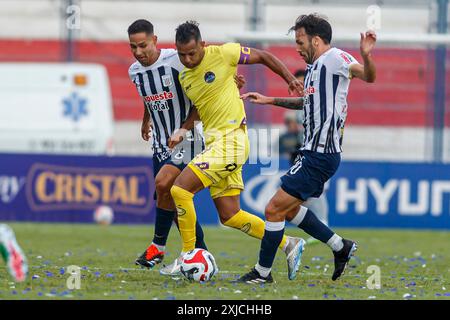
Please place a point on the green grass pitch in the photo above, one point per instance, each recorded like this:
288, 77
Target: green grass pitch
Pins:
413, 265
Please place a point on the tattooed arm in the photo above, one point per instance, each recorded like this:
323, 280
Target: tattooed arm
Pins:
288, 103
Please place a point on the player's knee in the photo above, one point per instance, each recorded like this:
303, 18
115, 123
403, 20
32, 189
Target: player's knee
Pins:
163, 187
273, 212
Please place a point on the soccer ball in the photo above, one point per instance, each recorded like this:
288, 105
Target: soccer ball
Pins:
198, 265
103, 215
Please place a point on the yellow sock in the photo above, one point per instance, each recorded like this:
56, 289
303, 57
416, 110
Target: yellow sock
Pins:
187, 218
251, 225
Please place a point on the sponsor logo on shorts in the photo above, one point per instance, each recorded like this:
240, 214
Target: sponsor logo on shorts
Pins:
179, 155
297, 166
203, 165
231, 167
163, 155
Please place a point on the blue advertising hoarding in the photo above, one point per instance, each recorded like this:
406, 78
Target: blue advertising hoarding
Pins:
361, 194
69, 188
371, 194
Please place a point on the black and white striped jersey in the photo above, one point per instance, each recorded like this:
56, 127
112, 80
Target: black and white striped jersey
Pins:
164, 98
325, 106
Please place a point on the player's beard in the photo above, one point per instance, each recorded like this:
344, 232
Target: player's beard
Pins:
311, 55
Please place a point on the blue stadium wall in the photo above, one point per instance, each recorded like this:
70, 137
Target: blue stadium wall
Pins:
48, 188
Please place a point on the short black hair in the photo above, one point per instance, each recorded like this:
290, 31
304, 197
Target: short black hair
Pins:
187, 31
299, 73
140, 25
314, 25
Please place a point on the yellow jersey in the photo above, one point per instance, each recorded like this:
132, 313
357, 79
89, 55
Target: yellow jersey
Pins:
211, 87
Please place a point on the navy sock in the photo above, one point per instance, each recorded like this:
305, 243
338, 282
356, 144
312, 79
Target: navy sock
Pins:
273, 234
308, 222
163, 222
200, 237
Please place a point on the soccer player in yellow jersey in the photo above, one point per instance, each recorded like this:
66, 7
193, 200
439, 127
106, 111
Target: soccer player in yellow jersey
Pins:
208, 81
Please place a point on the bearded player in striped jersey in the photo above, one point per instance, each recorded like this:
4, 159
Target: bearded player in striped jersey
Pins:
166, 109
324, 104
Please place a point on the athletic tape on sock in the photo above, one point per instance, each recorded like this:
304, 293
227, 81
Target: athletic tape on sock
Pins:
274, 226
300, 216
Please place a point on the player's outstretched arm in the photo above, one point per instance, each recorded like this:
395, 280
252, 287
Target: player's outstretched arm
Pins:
146, 127
366, 72
179, 134
288, 103
275, 64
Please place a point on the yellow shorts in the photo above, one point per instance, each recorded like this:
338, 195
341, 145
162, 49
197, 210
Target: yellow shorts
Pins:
219, 166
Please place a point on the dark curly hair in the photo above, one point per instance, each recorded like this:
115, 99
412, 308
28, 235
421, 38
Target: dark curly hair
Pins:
187, 31
314, 25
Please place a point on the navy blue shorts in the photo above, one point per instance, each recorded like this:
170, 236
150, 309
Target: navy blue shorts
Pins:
306, 178
163, 158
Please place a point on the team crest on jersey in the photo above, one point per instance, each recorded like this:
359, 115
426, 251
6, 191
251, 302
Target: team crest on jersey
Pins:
210, 77
167, 80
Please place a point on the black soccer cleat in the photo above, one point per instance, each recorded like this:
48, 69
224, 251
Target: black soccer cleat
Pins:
342, 257
253, 277
150, 258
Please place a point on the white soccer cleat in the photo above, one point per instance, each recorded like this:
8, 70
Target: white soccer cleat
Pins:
13, 255
294, 251
172, 269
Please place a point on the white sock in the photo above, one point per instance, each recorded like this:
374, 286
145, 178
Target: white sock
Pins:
159, 247
299, 216
335, 243
263, 271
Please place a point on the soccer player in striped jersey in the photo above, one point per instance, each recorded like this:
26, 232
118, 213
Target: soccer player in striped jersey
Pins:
208, 82
166, 110
324, 104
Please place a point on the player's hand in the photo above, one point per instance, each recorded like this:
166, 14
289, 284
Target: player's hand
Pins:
240, 80
296, 87
367, 42
177, 137
146, 130
256, 97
